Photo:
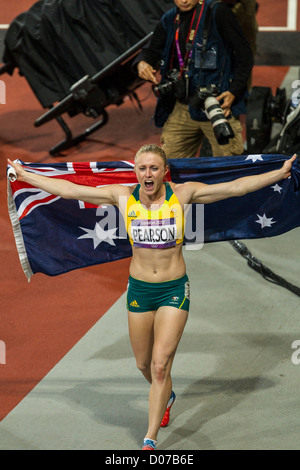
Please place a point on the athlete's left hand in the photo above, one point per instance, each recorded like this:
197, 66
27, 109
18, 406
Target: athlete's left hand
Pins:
287, 166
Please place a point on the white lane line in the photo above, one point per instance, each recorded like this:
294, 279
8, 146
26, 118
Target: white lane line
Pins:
292, 8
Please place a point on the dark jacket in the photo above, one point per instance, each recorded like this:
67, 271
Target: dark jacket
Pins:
214, 66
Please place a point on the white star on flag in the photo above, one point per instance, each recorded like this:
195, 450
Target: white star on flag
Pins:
254, 158
277, 188
98, 235
264, 221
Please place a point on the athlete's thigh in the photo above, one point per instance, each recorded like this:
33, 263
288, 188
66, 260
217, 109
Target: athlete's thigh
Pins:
168, 328
141, 335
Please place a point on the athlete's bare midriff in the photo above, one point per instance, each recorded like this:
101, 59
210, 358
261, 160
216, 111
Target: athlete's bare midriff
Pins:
157, 265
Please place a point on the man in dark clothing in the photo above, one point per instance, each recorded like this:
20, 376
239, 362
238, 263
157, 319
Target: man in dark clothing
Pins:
224, 61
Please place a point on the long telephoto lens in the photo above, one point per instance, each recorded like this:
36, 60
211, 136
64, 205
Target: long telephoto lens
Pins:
222, 129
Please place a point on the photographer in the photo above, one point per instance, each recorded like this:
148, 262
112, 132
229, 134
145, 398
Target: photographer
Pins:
191, 71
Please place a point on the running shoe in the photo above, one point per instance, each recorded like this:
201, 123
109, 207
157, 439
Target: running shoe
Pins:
149, 444
166, 418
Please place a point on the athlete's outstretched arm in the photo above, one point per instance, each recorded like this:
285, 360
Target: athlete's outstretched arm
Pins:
59, 187
207, 193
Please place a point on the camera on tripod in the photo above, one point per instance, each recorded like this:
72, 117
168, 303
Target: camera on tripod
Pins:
174, 84
205, 99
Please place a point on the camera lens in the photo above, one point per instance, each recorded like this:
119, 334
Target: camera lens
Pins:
162, 89
221, 127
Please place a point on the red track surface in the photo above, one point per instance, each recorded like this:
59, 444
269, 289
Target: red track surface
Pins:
42, 320
274, 13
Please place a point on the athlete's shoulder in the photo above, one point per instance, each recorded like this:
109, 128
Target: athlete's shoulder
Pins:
185, 191
172, 185
180, 187
179, 192
133, 189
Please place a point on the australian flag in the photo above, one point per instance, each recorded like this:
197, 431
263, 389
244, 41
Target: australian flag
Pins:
54, 236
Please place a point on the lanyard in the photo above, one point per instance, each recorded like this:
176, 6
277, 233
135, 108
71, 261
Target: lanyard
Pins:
191, 36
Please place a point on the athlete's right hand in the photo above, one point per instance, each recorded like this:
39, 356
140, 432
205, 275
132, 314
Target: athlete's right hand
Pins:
146, 72
18, 169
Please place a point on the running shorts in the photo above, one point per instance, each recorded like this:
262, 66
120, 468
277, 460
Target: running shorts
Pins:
149, 296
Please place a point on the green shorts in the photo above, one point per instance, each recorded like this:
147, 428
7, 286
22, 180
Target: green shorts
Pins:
149, 296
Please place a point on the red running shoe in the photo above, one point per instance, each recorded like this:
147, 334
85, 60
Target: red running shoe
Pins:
166, 418
149, 444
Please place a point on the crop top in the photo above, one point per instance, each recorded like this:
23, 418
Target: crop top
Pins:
159, 228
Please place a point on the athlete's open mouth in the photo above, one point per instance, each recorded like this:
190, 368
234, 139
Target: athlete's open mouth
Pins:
149, 184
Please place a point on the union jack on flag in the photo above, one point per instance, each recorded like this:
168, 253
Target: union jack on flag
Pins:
89, 173
54, 236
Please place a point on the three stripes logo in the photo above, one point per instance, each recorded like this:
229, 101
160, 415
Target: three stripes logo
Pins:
132, 214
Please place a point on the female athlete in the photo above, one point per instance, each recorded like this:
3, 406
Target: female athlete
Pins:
158, 289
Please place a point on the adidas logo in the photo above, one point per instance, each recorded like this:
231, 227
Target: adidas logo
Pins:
132, 214
134, 304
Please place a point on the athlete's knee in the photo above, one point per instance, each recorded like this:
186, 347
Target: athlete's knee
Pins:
160, 369
143, 366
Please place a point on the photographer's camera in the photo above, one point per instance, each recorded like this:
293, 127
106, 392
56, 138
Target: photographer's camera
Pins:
222, 129
174, 85
205, 99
